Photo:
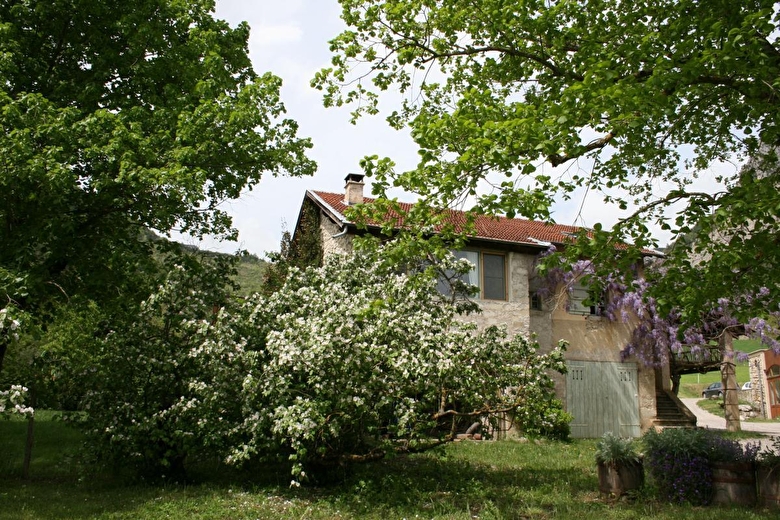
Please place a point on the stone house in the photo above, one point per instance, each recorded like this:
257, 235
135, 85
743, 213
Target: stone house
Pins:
601, 391
764, 369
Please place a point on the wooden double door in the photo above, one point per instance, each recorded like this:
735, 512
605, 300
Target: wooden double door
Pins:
603, 397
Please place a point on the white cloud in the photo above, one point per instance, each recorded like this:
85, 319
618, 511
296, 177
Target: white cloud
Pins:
274, 35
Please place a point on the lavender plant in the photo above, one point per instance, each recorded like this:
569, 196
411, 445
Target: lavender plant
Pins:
770, 455
679, 461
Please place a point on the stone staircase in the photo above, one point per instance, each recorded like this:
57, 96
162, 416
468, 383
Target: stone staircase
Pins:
671, 412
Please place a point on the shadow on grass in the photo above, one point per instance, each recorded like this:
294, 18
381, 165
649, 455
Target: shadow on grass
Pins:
456, 483
464, 480
486, 479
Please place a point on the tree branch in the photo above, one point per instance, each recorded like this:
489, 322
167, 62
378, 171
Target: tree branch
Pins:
596, 144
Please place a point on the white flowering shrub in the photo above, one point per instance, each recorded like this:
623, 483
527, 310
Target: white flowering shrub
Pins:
9, 323
12, 402
142, 369
352, 362
348, 362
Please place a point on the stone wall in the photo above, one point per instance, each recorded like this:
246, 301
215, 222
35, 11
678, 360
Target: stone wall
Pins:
515, 312
759, 362
333, 240
595, 338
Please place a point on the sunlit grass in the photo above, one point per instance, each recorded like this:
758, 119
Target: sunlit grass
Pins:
466, 480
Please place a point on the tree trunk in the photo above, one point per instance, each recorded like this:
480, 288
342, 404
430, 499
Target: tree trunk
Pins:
729, 379
3, 348
676, 383
28, 445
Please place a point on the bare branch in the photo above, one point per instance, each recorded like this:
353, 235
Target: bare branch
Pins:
596, 144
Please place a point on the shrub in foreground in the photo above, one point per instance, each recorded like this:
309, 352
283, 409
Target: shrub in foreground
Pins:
345, 363
680, 461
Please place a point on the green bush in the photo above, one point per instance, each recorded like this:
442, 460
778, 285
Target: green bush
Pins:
679, 461
612, 449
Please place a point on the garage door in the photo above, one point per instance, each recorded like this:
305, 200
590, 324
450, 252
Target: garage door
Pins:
602, 397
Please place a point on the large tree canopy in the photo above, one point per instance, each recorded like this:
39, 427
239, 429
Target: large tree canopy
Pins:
121, 116
648, 93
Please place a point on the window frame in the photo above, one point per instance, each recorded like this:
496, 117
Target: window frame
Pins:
483, 272
479, 270
576, 305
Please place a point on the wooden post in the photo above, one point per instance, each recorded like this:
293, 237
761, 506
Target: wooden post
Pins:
729, 379
28, 445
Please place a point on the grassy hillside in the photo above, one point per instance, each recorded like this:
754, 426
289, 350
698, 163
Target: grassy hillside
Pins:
250, 274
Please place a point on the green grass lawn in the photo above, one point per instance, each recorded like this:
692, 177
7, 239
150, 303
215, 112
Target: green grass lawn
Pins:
467, 480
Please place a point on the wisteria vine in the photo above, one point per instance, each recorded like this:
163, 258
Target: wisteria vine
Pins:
657, 336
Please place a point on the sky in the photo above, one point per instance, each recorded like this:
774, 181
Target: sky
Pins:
290, 39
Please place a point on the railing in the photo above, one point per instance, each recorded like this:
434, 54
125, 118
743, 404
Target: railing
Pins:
697, 359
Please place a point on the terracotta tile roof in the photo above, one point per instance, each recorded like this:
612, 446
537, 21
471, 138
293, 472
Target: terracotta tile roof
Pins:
500, 229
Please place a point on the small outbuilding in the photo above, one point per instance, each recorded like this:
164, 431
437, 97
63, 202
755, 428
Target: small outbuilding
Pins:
765, 381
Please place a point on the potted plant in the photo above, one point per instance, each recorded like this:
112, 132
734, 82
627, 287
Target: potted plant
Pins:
699, 467
619, 465
768, 474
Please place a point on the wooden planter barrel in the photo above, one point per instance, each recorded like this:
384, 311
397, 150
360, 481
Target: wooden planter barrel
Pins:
733, 483
768, 478
616, 479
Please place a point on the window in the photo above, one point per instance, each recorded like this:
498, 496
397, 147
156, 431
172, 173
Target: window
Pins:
488, 273
493, 277
774, 392
535, 298
580, 301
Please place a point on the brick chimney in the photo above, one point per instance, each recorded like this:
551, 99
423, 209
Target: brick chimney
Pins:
353, 191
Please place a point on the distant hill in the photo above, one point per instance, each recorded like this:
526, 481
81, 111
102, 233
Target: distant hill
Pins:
250, 274
251, 268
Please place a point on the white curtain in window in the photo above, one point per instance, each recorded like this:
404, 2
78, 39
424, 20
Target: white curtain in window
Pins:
472, 277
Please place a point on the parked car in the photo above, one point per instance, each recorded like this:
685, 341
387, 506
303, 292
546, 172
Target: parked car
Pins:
714, 390
747, 386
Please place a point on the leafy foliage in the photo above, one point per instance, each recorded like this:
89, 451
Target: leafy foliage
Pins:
500, 94
119, 117
679, 461
344, 363
140, 368
302, 250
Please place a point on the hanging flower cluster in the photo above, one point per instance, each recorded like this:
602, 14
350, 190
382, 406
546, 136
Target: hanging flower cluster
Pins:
657, 336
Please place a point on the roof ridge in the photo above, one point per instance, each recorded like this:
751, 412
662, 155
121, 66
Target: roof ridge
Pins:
495, 228
368, 200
